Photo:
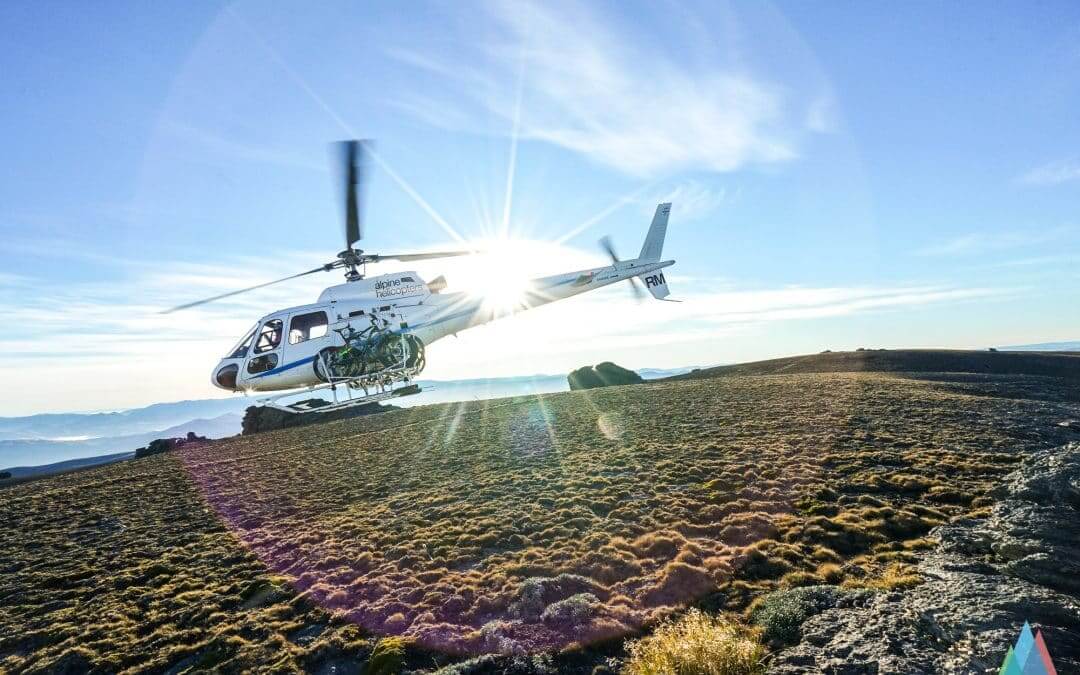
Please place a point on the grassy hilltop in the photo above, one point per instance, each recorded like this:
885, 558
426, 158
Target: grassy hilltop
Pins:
524, 525
1050, 364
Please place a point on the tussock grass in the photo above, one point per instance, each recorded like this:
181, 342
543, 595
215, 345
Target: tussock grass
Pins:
697, 644
830, 573
388, 657
896, 576
517, 525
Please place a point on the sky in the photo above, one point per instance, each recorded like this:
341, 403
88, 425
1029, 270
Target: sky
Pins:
843, 175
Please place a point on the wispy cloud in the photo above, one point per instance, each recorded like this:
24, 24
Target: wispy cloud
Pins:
1053, 173
104, 340
691, 200
560, 335
984, 242
798, 302
217, 144
821, 115
591, 88
120, 317
1042, 261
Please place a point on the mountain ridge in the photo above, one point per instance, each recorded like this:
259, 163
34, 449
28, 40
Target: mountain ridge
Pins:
1031, 363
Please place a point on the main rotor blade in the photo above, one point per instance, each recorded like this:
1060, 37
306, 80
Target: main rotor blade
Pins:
325, 268
407, 257
609, 248
352, 174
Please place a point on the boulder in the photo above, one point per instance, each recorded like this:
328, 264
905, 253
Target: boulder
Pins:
605, 374
157, 446
984, 579
584, 378
612, 375
261, 418
160, 445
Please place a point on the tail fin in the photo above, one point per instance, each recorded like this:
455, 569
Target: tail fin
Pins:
654, 241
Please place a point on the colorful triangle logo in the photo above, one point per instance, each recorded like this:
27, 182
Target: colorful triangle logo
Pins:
1029, 656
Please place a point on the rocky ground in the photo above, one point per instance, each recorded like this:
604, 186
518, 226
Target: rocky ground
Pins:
983, 580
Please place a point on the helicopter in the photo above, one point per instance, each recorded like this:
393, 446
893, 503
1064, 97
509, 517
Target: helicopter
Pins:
368, 335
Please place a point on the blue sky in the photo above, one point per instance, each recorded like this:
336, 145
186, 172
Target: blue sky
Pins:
842, 176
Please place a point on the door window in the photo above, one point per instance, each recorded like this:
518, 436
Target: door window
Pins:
269, 336
261, 364
304, 327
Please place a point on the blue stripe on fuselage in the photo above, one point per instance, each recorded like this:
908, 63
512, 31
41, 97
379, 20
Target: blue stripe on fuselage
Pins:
287, 366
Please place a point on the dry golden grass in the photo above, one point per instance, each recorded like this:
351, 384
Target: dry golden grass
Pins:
517, 525
697, 644
896, 576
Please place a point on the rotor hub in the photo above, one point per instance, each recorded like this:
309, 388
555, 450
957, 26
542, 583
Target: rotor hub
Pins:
354, 260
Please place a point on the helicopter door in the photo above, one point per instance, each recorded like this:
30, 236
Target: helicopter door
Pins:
307, 335
266, 352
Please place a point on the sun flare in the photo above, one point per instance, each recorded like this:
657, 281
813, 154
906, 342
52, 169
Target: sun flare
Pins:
502, 270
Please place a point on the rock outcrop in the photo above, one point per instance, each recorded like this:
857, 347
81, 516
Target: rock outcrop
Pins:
262, 418
160, 445
985, 578
605, 374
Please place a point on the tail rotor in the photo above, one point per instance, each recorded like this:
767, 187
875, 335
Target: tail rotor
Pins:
635, 286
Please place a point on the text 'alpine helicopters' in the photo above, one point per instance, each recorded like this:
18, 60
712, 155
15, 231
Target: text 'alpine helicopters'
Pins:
368, 334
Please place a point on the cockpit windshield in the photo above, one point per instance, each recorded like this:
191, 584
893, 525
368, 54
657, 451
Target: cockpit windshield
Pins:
240, 350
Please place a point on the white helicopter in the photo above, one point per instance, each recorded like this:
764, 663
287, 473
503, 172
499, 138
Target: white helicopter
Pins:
368, 335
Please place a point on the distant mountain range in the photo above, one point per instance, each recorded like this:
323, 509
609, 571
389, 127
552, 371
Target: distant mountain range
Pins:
32, 442
23, 472
657, 373
20, 454
80, 426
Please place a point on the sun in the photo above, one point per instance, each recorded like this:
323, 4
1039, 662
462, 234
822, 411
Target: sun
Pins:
500, 272
502, 269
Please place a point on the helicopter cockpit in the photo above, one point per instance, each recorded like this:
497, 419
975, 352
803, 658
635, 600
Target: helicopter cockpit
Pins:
241, 347
278, 342
225, 375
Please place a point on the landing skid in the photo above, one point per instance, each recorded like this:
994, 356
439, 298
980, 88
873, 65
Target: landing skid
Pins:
304, 407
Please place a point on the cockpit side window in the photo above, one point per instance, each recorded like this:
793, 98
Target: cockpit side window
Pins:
269, 336
304, 327
240, 350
